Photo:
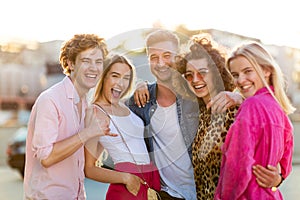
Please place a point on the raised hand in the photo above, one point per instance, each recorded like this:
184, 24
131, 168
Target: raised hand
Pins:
95, 125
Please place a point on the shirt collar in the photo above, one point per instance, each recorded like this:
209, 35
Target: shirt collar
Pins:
70, 90
264, 89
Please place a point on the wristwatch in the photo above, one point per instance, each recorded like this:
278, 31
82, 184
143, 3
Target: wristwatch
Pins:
274, 188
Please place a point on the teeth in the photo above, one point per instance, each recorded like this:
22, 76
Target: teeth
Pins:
117, 90
91, 75
163, 70
199, 86
246, 87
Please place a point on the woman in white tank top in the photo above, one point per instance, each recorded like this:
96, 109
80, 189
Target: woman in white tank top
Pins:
133, 173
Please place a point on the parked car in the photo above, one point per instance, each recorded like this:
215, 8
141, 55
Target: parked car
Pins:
16, 149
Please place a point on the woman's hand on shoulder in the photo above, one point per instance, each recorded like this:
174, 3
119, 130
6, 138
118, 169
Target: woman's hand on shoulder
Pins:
141, 94
224, 100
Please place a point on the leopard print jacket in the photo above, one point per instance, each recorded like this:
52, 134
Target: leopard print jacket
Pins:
206, 150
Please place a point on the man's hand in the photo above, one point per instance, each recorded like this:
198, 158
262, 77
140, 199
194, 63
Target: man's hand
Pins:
224, 100
141, 94
96, 124
267, 177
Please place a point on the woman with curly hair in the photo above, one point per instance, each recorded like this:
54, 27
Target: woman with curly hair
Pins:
203, 67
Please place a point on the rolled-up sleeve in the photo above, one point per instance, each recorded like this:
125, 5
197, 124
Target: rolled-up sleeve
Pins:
46, 128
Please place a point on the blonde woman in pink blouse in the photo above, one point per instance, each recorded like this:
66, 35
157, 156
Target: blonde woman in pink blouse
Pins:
262, 133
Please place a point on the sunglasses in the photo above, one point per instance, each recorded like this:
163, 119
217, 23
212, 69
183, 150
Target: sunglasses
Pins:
189, 76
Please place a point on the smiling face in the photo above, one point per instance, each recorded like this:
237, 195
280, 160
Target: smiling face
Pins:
86, 70
161, 55
245, 76
199, 78
116, 82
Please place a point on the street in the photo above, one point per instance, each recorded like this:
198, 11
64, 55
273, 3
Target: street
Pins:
11, 183
11, 186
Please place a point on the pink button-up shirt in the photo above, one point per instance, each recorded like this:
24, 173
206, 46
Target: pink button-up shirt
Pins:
54, 117
261, 134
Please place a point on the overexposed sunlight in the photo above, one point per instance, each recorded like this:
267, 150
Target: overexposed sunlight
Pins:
272, 22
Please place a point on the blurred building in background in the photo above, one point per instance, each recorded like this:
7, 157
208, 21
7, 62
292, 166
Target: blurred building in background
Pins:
28, 68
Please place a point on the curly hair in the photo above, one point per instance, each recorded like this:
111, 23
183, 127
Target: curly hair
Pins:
202, 46
80, 42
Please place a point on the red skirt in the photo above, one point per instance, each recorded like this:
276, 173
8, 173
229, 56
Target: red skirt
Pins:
149, 173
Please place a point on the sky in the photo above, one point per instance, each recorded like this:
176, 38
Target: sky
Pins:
273, 22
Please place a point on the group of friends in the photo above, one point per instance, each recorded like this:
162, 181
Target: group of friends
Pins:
212, 126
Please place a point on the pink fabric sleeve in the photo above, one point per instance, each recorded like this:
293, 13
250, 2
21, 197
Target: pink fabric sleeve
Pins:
286, 161
46, 128
237, 162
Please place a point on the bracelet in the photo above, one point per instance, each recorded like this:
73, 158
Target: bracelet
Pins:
274, 188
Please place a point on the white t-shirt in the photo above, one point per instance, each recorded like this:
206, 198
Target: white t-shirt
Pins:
171, 155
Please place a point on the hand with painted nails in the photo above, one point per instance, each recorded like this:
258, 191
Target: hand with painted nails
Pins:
141, 94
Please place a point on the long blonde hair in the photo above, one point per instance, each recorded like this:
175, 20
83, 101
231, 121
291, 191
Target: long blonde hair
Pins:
261, 59
108, 63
